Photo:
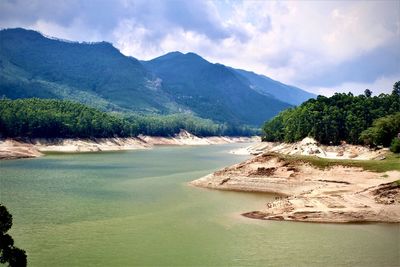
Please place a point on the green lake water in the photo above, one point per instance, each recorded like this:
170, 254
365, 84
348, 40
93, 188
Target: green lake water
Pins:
135, 209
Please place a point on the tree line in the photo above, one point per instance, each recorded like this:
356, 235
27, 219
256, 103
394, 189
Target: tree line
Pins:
167, 125
50, 118
57, 118
330, 120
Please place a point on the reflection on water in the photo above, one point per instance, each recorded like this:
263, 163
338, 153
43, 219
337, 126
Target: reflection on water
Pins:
135, 208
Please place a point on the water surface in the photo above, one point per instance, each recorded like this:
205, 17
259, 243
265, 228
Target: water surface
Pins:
136, 209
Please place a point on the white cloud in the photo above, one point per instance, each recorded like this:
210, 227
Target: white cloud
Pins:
131, 39
307, 38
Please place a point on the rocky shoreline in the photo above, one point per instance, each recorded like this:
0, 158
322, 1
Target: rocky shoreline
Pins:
36, 147
309, 193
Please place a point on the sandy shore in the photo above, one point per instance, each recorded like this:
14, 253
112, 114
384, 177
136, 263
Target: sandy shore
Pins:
336, 195
186, 138
12, 149
309, 147
29, 148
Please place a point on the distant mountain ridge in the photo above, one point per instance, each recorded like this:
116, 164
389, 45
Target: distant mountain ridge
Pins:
267, 86
32, 65
212, 90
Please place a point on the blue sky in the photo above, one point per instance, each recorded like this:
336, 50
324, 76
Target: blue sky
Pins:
321, 46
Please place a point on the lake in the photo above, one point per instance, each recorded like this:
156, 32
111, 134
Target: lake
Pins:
135, 208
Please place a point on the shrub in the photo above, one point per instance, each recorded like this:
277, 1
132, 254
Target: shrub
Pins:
395, 145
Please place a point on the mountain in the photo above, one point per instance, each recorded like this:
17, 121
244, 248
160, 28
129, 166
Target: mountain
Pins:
212, 90
97, 74
269, 87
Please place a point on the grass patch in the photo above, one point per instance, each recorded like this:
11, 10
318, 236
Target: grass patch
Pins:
391, 163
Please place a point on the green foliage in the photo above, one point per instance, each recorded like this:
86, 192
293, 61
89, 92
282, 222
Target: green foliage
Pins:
342, 117
57, 118
172, 124
395, 145
60, 118
383, 131
8, 252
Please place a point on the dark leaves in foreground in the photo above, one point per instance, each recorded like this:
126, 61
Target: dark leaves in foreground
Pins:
15, 257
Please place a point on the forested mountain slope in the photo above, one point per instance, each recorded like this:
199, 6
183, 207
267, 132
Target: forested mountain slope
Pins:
269, 87
35, 66
97, 74
212, 90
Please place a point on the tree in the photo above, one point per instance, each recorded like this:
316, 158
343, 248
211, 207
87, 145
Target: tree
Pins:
367, 93
396, 89
342, 117
47, 118
395, 145
383, 130
8, 252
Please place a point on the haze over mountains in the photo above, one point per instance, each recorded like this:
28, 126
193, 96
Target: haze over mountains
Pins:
97, 74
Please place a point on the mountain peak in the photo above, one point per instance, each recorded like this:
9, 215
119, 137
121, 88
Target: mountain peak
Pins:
173, 54
168, 56
192, 54
179, 55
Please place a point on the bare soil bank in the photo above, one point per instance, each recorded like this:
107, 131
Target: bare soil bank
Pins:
28, 148
310, 147
311, 193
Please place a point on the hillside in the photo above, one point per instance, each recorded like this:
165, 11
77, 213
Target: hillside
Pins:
97, 74
212, 90
269, 87
94, 73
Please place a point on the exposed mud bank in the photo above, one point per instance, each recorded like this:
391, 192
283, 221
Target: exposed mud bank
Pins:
336, 195
28, 148
310, 147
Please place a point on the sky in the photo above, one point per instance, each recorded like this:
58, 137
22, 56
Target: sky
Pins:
320, 46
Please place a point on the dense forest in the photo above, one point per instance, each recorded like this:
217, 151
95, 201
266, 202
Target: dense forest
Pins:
156, 125
56, 118
342, 117
51, 118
